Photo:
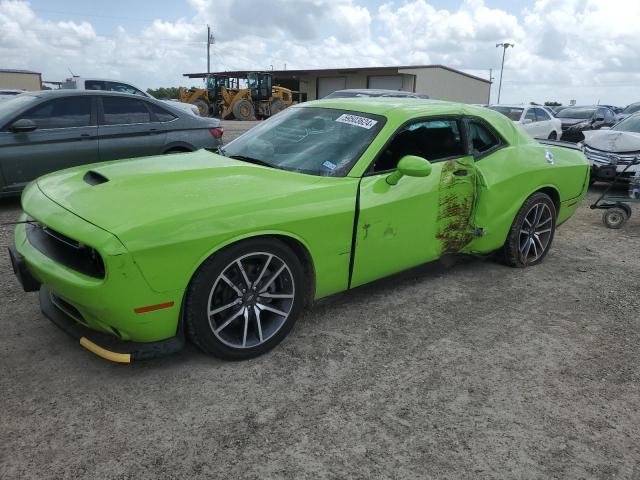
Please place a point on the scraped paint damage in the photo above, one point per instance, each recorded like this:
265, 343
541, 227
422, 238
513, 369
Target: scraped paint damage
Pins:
455, 204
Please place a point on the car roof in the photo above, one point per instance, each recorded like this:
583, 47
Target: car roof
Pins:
511, 106
407, 108
69, 92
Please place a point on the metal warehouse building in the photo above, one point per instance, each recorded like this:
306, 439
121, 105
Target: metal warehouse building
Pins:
437, 81
20, 79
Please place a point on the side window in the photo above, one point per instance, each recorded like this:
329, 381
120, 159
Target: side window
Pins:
531, 115
161, 114
61, 113
609, 117
123, 88
431, 139
600, 113
542, 115
94, 85
122, 111
482, 139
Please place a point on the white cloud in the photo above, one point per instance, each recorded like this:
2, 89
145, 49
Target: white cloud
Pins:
583, 49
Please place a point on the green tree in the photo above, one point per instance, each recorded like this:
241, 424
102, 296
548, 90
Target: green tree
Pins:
163, 93
552, 104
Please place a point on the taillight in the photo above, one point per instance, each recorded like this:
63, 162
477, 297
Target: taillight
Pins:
216, 132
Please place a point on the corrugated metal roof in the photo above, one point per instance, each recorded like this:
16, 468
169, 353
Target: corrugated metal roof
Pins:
10, 70
241, 73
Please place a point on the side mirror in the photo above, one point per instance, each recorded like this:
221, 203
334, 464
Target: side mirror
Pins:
598, 119
527, 121
23, 125
410, 166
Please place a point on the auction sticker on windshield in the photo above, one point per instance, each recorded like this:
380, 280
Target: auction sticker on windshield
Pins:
356, 120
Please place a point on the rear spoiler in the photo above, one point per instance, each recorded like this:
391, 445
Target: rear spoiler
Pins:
560, 143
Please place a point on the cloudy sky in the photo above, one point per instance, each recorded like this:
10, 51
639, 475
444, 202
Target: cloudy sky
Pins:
565, 49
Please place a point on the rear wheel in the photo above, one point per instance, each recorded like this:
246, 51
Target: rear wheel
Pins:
532, 232
553, 135
203, 107
244, 300
243, 110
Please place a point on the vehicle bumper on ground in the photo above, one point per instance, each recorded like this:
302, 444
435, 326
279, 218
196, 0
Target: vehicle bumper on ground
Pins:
118, 314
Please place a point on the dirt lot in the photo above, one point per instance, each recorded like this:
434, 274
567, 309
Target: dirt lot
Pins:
472, 370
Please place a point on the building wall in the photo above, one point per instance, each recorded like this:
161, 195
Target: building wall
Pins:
443, 84
23, 81
309, 83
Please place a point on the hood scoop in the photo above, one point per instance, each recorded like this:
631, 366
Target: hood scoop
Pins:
94, 178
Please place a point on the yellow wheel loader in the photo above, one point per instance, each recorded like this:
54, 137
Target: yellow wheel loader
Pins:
223, 97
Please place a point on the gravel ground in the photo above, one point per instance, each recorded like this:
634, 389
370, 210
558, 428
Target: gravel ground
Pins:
466, 370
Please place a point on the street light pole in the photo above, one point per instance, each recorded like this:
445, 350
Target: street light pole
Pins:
504, 47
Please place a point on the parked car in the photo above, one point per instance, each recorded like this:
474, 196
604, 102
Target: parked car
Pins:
576, 120
373, 92
557, 109
328, 195
80, 83
611, 151
41, 132
629, 110
537, 121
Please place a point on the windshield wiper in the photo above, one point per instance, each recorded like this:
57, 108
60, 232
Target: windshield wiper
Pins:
257, 161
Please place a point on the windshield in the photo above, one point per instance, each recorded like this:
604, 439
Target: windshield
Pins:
317, 141
582, 113
630, 124
12, 104
513, 113
633, 108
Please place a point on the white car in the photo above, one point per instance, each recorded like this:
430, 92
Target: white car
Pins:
536, 120
80, 83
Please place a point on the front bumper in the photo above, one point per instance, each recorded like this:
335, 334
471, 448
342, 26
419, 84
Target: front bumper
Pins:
102, 344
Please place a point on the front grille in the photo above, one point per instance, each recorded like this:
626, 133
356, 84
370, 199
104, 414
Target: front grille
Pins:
65, 250
600, 156
67, 308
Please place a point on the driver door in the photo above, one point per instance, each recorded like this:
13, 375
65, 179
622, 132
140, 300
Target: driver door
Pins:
419, 219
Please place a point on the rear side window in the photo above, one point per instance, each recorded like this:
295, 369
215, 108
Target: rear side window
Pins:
124, 111
482, 139
94, 85
61, 113
161, 114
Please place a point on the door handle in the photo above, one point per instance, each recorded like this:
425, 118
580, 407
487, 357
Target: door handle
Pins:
86, 136
461, 173
153, 131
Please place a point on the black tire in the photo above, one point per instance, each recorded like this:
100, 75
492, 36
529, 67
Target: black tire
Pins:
517, 238
171, 151
207, 293
615, 217
276, 107
243, 110
203, 106
553, 135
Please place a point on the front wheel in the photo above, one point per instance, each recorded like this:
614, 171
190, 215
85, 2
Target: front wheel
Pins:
532, 232
553, 135
244, 300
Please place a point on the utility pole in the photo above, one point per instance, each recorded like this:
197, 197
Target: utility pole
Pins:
210, 41
504, 46
491, 79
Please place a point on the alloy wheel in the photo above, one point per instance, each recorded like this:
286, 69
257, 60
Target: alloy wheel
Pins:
251, 300
535, 232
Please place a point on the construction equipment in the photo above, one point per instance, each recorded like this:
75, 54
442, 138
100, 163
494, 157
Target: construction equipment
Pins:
224, 97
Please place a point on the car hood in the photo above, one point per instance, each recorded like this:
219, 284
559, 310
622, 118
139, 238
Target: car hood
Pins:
612, 140
126, 195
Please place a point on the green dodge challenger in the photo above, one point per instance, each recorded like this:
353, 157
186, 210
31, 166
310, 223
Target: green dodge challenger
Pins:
226, 249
